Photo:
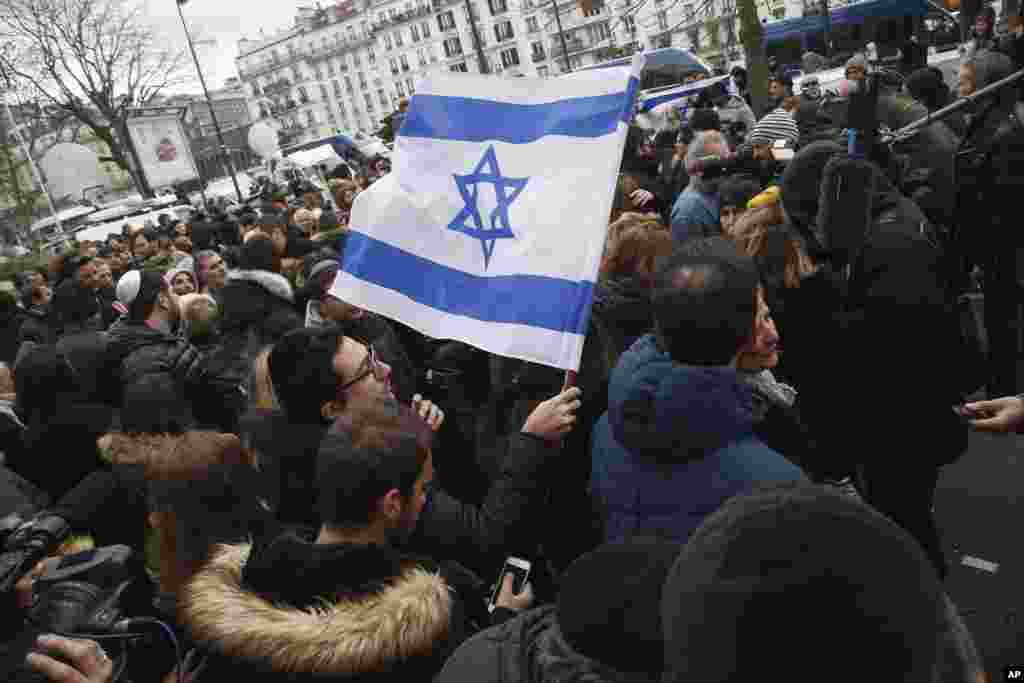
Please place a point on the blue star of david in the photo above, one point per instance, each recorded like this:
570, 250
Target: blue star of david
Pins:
468, 221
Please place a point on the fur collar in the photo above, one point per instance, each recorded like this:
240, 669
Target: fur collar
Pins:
159, 450
361, 635
277, 285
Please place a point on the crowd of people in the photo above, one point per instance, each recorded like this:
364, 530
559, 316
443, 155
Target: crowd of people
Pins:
738, 486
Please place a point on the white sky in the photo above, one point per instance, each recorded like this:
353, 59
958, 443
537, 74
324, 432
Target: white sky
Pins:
224, 21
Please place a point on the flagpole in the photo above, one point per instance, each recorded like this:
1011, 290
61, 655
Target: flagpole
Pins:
16, 131
213, 114
484, 67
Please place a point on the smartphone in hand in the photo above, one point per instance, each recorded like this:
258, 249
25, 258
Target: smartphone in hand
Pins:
520, 571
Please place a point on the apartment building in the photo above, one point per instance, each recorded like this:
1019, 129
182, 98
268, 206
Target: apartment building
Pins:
346, 66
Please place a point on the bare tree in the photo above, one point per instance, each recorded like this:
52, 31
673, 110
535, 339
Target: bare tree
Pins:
92, 59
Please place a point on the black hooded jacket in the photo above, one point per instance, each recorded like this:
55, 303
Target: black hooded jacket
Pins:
896, 326
38, 326
529, 649
623, 305
259, 303
990, 164
135, 349
290, 610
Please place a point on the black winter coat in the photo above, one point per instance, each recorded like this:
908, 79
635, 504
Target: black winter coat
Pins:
258, 306
294, 611
528, 649
809, 322
135, 349
506, 523
11, 321
59, 452
899, 329
38, 326
624, 308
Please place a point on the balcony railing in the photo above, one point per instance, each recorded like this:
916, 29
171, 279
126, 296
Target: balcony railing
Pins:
260, 69
278, 87
570, 45
402, 17
342, 46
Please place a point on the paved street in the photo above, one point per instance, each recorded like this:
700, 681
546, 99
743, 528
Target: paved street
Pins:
979, 509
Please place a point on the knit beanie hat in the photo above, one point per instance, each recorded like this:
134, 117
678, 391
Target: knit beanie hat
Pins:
775, 125
798, 583
608, 606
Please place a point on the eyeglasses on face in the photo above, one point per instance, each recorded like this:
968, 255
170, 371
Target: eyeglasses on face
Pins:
369, 367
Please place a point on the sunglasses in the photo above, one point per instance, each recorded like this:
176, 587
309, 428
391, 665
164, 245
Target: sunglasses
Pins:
369, 367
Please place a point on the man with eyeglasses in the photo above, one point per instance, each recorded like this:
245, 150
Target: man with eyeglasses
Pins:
319, 374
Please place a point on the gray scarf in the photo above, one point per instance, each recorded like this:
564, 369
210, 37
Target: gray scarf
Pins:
768, 391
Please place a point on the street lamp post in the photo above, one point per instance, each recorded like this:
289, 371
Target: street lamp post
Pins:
27, 151
209, 102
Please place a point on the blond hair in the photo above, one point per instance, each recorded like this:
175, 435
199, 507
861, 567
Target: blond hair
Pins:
636, 251
750, 232
263, 396
627, 220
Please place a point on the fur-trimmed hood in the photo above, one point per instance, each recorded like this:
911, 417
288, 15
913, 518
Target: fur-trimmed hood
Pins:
151, 450
275, 284
356, 632
258, 301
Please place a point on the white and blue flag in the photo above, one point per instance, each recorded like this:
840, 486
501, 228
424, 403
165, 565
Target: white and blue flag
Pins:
491, 226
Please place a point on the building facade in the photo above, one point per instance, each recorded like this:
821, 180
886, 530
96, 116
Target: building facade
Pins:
232, 107
345, 67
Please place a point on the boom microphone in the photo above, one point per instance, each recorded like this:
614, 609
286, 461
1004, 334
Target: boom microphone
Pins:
845, 207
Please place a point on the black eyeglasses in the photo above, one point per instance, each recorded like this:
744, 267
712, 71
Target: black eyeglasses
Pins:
369, 367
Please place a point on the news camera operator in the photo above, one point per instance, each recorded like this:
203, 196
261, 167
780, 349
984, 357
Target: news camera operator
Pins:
896, 328
53, 583
990, 178
71, 660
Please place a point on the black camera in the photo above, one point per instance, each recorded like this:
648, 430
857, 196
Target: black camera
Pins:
88, 592
28, 543
713, 167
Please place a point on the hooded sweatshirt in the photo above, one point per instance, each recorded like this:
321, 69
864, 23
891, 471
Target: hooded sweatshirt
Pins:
676, 442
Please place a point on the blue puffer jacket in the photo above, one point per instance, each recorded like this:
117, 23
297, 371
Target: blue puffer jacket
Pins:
676, 442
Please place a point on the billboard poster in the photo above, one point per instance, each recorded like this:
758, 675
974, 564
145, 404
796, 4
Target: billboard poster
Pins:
162, 147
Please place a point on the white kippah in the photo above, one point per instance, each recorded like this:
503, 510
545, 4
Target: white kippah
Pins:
128, 287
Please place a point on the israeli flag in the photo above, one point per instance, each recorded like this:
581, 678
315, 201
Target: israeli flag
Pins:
491, 226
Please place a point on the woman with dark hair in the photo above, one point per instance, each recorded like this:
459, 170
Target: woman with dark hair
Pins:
211, 273
804, 299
